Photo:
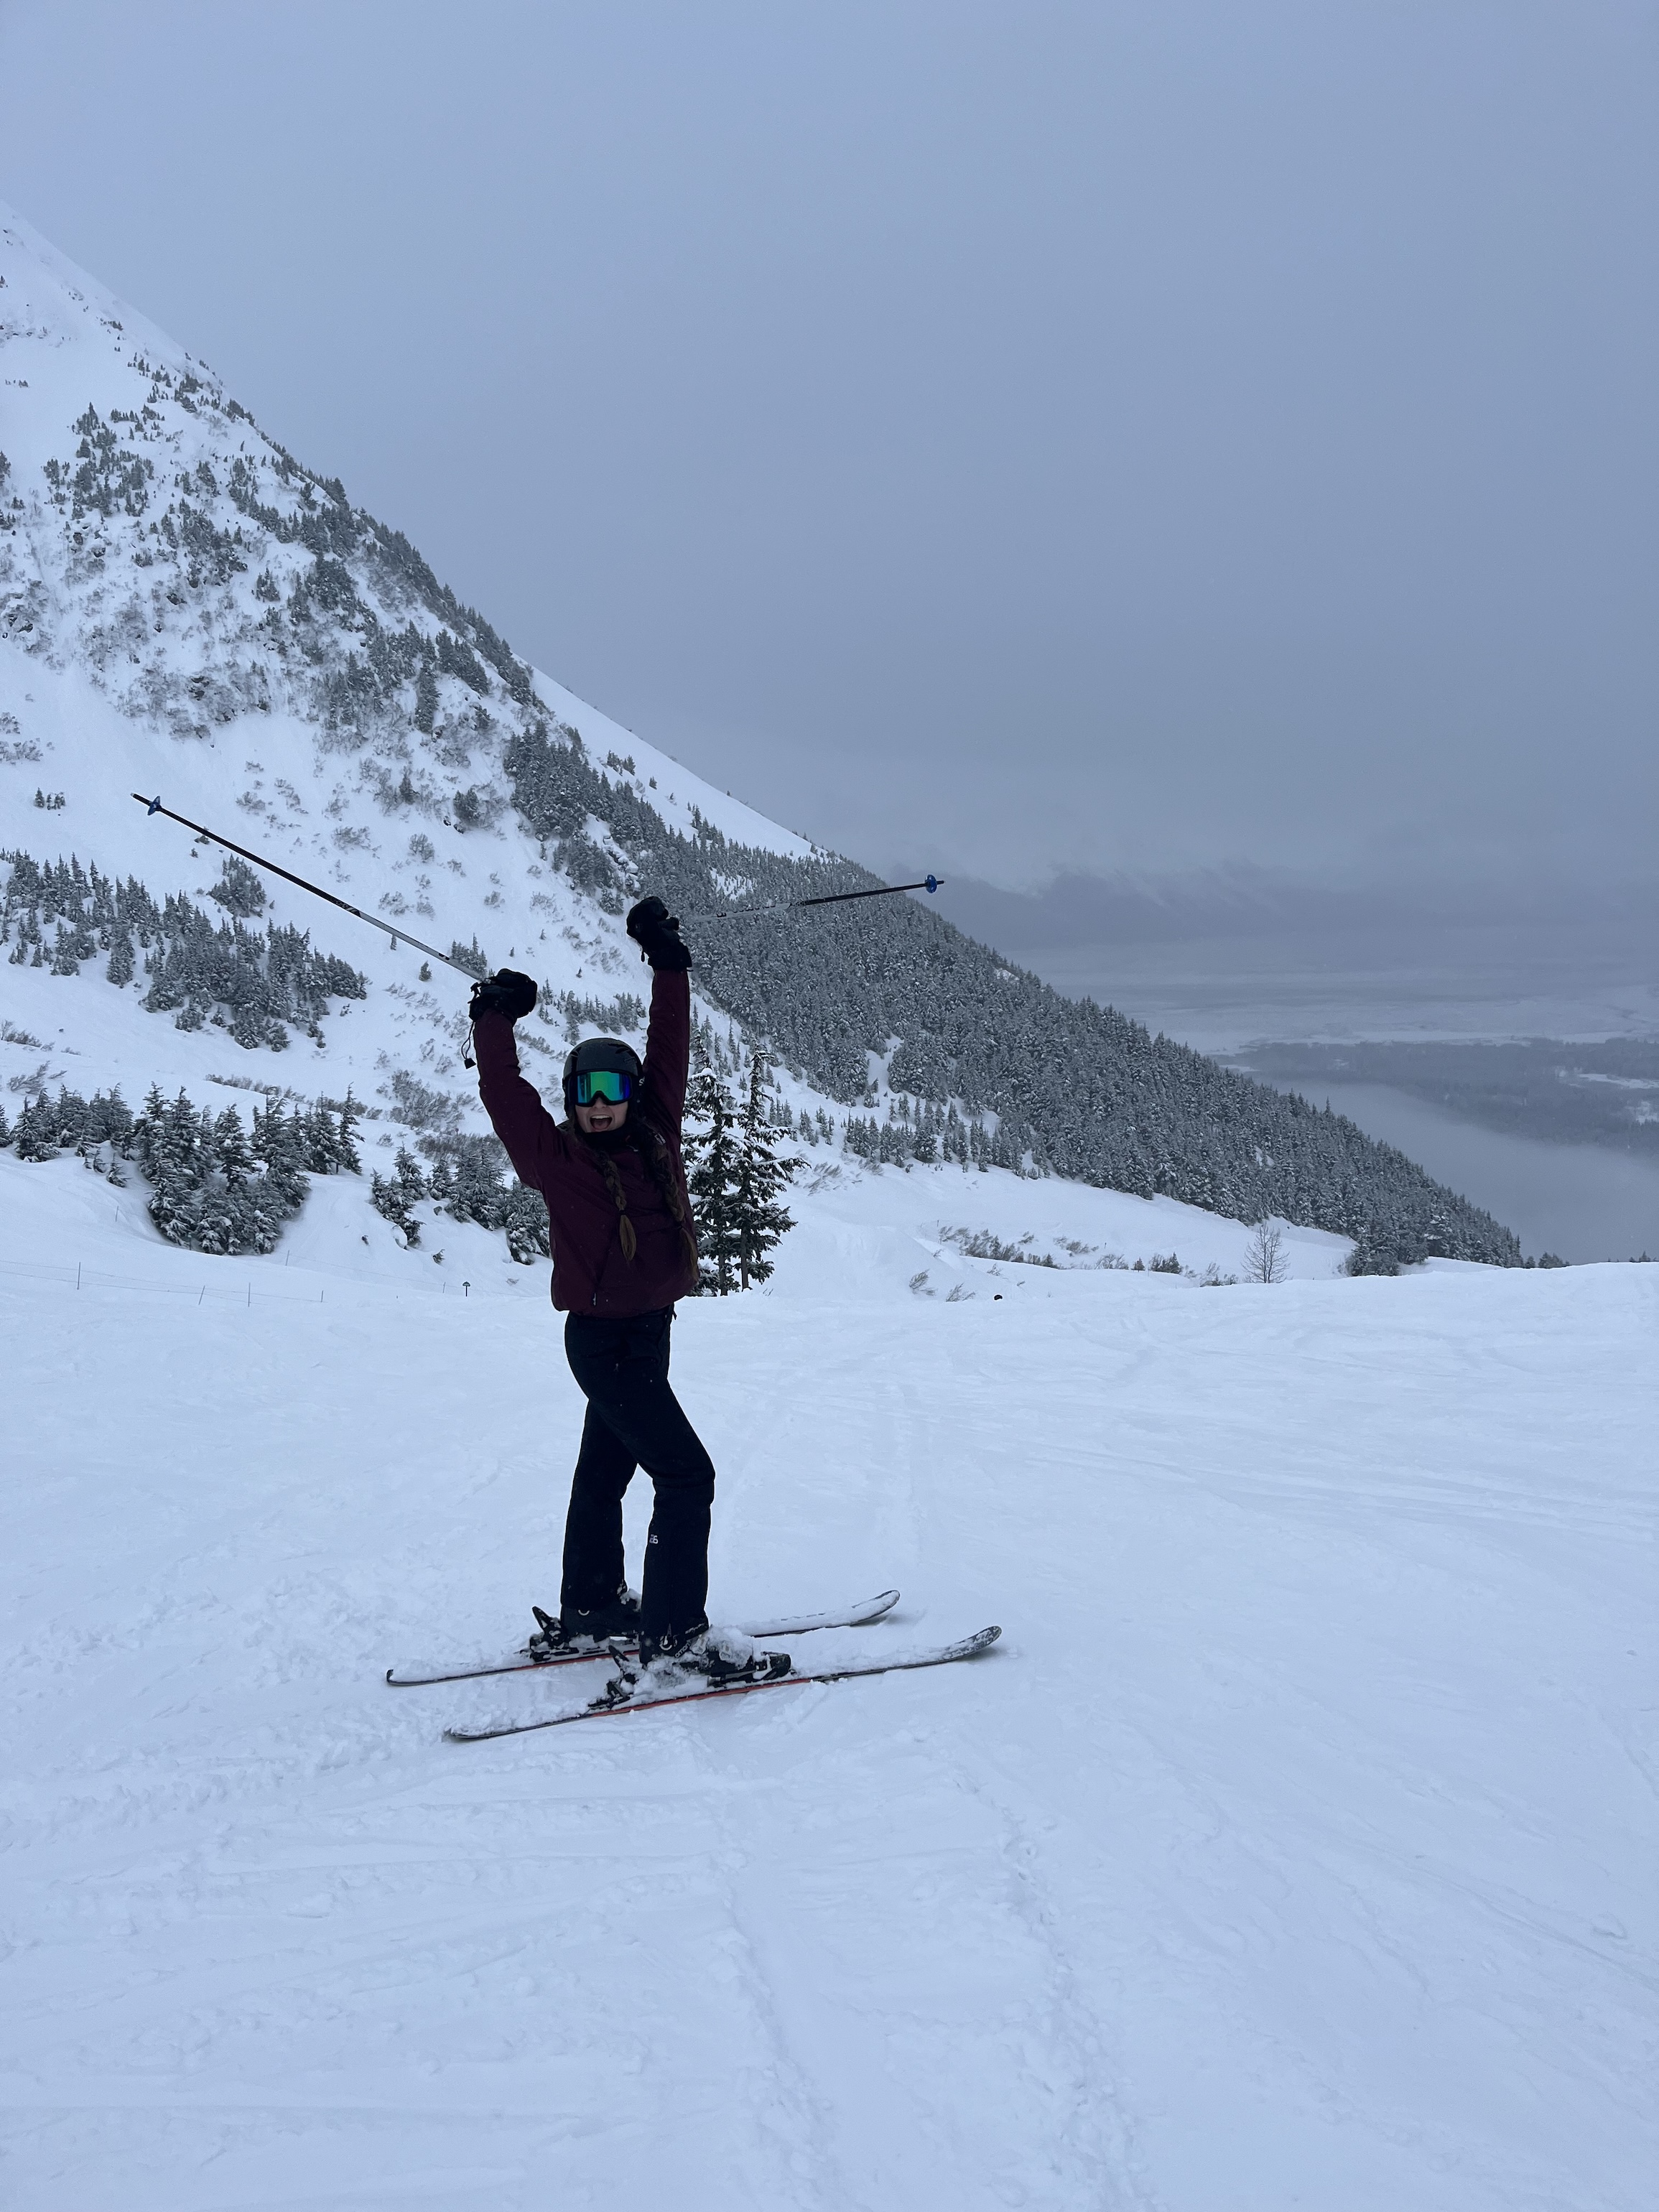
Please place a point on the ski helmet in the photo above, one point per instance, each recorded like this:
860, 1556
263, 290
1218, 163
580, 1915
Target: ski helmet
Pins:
595, 1052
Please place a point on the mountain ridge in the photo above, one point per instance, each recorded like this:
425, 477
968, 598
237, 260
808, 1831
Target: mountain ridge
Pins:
184, 593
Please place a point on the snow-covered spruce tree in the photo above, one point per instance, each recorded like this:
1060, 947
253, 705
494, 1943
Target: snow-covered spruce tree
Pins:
713, 1168
229, 1212
239, 891
282, 1143
1373, 1252
471, 1180
212, 1187
99, 1128
332, 1144
759, 1220
35, 1136
426, 700
168, 1143
471, 1190
396, 1196
524, 1217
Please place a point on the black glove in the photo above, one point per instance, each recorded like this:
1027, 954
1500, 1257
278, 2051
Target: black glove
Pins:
657, 932
506, 993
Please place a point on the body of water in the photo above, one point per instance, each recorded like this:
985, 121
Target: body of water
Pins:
1581, 1201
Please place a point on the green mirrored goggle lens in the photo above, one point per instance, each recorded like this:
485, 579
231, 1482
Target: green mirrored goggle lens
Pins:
603, 1083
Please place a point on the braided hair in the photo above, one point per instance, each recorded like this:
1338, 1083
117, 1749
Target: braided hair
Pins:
649, 1143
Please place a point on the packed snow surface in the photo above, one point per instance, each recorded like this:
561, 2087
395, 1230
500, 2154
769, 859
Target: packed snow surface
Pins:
1294, 1847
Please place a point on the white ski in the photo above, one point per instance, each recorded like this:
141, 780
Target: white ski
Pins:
969, 1647
799, 1624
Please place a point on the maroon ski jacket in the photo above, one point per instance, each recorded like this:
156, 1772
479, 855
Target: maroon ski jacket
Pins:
590, 1274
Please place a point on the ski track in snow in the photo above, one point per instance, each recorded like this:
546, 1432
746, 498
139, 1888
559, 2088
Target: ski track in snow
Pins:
1295, 1848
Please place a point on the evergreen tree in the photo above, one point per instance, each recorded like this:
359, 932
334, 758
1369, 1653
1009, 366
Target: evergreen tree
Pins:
239, 891
759, 1221
467, 1178
280, 1141
713, 1166
36, 1134
1373, 1253
169, 1142
226, 1215
231, 1151
395, 1197
524, 1217
345, 1138
426, 700
211, 1189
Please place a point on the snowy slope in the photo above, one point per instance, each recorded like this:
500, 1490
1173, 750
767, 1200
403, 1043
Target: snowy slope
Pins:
1295, 1848
126, 666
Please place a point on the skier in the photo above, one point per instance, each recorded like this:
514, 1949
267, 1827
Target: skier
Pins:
623, 1251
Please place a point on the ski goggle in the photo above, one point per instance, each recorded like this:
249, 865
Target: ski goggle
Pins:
595, 1083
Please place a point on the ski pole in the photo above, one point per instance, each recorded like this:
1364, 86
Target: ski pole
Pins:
398, 935
928, 884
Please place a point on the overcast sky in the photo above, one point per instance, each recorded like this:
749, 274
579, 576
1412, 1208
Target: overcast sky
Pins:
1007, 439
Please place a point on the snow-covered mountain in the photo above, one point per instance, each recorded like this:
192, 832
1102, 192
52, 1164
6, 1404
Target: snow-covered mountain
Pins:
186, 609
1294, 1845
176, 614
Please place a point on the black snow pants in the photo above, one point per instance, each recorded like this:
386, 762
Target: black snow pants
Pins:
634, 1419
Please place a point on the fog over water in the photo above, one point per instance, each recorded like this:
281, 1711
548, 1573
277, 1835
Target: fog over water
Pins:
1580, 1201
1226, 963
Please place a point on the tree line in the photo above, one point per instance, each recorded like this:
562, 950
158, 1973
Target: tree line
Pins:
253, 983
1039, 1082
213, 1185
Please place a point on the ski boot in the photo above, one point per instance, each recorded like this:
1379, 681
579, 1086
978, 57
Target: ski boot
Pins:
616, 1622
698, 1658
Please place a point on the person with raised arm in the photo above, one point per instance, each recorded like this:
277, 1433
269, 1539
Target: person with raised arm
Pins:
623, 1251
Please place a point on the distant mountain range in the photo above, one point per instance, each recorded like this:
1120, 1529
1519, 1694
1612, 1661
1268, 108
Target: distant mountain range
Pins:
185, 608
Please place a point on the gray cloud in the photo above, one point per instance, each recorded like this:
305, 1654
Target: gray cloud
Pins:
1157, 439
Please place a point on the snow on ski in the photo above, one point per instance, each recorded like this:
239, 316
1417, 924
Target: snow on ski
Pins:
969, 1647
801, 1623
